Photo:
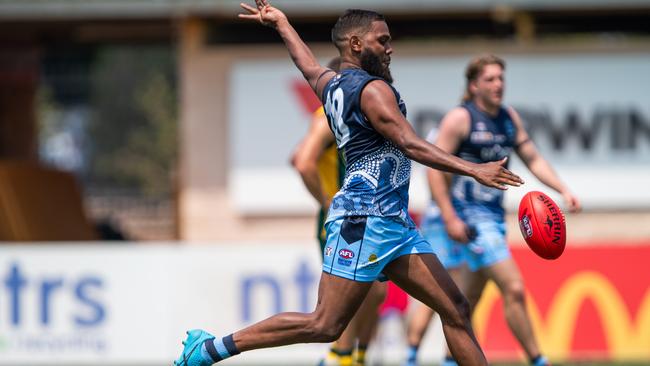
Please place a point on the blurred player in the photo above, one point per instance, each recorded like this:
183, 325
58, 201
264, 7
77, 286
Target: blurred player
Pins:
369, 232
451, 257
322, 170
483, 130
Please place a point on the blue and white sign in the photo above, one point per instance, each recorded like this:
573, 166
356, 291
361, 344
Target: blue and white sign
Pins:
81, 304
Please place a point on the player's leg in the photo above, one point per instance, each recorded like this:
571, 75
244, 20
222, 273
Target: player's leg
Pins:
345, 281
343, 345
415, 331
340, 353
365, 320
473, 286
460, 275
508, 279
356, 250
338, 300
490, 255
423, 277
450, 255
350, 348
421, 319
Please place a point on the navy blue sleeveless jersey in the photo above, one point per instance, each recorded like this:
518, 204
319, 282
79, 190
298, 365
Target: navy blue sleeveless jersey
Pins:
489, 139
377, 174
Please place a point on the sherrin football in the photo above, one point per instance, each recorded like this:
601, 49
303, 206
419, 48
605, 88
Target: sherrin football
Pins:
542, 224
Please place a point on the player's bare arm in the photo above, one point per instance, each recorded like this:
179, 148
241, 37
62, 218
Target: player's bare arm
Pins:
539, 166
305, 157
379, 105
453, 129
439, 187
315, 74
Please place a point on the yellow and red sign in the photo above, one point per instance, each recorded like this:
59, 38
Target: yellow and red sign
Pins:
592, 302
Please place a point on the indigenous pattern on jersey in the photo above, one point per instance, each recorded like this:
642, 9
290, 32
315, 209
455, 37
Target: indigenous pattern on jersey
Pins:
490, 139
377, 173
330, 173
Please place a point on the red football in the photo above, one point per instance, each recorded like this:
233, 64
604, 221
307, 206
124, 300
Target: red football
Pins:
542, 224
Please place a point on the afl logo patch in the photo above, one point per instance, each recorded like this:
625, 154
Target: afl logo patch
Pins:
346, 253
526, 227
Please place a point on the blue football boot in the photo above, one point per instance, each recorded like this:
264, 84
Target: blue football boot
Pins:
191, 355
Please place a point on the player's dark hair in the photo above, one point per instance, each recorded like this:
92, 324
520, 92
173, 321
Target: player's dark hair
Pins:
353, 20
475, 68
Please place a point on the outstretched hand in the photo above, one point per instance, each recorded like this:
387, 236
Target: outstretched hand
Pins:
494, 174
572, 202
264, 13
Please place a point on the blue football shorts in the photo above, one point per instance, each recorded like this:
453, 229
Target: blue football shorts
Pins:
489, 247
449, 252
359, 247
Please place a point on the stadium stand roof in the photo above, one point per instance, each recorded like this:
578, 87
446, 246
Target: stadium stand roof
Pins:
79, 9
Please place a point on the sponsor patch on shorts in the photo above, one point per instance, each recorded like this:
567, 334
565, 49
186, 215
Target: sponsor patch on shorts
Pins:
345, 262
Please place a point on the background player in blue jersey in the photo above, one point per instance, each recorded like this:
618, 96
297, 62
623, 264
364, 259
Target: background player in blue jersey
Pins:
483, 130
369, 230
451, 257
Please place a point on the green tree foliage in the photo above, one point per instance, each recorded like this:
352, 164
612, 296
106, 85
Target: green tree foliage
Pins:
134, 119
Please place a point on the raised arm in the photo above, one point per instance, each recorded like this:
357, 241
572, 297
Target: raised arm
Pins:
380, 107
315, 74
535, 162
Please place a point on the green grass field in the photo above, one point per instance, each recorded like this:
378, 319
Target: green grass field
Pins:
582, 363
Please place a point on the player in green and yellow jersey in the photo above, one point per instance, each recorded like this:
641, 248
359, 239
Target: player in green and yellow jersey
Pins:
318, 161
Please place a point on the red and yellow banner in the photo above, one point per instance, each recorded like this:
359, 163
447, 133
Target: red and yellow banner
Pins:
592, 302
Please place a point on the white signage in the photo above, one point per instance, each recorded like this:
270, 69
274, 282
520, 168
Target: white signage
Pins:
131, 304
589, 114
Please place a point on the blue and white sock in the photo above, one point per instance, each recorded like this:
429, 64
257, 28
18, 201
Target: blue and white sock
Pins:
219, 349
